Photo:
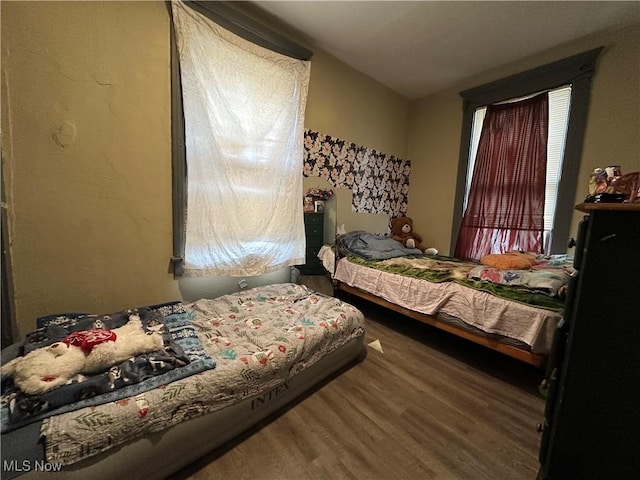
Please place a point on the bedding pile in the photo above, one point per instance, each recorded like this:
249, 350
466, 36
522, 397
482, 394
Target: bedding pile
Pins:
543, 285
548, 275
256, 339
522, 287
181, 354
371, 246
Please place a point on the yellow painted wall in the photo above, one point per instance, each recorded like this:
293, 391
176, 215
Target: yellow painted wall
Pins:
611, 138
87, 155
349, 105
86, 150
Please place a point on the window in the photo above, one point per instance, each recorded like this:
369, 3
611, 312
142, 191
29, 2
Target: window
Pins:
576, 72
238, 186
559, 100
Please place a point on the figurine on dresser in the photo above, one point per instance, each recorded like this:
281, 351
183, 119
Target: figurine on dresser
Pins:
609, 185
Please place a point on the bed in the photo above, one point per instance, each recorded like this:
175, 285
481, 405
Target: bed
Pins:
514, 312
244, 356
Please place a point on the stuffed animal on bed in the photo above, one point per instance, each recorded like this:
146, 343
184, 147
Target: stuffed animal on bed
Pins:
402, 231
86, 351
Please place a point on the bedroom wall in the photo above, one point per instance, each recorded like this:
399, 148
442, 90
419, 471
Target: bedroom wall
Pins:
611, 136
86, 150
87, 154
350, 106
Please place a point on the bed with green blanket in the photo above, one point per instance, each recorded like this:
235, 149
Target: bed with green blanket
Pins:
512, 311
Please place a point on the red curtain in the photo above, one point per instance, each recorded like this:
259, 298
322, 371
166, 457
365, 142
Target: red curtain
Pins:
505, 208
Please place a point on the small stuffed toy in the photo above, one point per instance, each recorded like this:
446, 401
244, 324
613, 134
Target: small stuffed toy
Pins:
86, 351
402, 231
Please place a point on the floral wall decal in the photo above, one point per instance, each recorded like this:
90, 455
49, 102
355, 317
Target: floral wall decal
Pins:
379, 182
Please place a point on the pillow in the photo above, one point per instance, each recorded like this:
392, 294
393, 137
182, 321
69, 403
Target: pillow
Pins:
509, 261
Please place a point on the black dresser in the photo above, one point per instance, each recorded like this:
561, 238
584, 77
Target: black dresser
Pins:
314, 233
591, 425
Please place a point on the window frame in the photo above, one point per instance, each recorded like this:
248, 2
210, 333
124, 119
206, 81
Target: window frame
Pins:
556, 174
577, 71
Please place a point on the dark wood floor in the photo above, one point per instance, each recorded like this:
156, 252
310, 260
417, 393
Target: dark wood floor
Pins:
431, 406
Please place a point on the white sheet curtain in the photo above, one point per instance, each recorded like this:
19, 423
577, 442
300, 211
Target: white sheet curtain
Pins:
244, 124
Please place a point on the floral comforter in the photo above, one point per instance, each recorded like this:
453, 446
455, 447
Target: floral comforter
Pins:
550, 275
258, 339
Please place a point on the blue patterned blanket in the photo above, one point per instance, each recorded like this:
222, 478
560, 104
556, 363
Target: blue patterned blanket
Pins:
182, 355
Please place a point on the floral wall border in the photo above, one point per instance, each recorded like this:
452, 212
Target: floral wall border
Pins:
379, 182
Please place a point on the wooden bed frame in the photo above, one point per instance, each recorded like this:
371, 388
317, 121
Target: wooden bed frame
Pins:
535, 359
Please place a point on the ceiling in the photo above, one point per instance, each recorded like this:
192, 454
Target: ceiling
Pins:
417, 48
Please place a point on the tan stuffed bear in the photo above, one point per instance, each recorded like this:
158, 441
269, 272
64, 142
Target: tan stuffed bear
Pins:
88, 351
402, 231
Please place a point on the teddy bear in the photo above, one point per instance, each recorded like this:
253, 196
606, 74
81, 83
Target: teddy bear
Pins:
82, 352
402, 231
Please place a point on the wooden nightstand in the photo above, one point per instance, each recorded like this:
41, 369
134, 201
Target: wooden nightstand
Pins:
314, 233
